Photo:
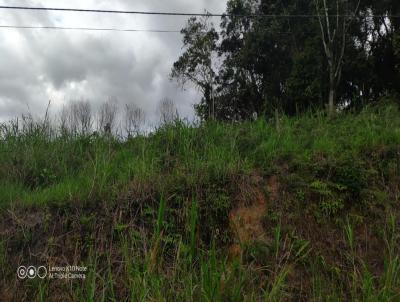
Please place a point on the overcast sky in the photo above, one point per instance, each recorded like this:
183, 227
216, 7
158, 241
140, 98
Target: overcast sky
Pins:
40, 65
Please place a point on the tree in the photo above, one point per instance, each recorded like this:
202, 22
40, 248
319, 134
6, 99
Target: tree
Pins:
76, 117
397, 49
334, 33
107, 116
271, 57
269, 63
168, 111
196, 64
134, 119
64, 120
240, 81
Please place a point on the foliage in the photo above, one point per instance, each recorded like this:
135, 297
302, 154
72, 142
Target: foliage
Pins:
150, 216
196, 64
270, 63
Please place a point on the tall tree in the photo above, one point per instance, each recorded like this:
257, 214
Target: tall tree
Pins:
196, 64
270, 62
334, 34
272, 56
397, 49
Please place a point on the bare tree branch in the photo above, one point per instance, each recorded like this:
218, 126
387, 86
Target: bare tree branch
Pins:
107, 116
168, 111
134, 119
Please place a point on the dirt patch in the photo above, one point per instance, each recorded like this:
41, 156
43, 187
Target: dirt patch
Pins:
246, 220
273, 188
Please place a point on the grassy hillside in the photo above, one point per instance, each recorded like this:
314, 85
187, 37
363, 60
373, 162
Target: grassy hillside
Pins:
303, 208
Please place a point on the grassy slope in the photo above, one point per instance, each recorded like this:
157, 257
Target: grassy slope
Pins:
151, 217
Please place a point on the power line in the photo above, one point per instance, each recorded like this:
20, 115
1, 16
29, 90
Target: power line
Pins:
88, 29
110, 11
181, 14
105, 29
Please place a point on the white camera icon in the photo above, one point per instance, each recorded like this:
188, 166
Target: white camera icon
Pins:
31, 272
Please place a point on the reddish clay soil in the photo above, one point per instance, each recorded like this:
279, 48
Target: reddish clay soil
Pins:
246, 220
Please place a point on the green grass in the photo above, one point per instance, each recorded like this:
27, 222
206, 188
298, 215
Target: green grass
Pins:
47, 167
150, 216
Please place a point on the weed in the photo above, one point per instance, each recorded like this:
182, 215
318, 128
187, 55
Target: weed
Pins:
152, 218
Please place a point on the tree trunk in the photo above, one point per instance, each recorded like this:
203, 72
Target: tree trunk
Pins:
332, 94
209, 101
332, 45
277, 124
212, 103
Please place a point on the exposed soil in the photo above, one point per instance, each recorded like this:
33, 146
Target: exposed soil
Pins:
246, 220
65, 236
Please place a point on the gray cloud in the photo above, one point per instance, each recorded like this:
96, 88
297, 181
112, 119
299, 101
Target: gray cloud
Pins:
38, 65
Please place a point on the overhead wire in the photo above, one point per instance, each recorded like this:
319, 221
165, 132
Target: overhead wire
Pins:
89, 29
31, 8
206, 14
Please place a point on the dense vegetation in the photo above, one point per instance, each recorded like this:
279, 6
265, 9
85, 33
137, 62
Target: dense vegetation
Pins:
293, 208
270, 197
292, 55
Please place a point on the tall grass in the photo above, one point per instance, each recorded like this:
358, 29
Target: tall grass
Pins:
162, 205
39, 164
